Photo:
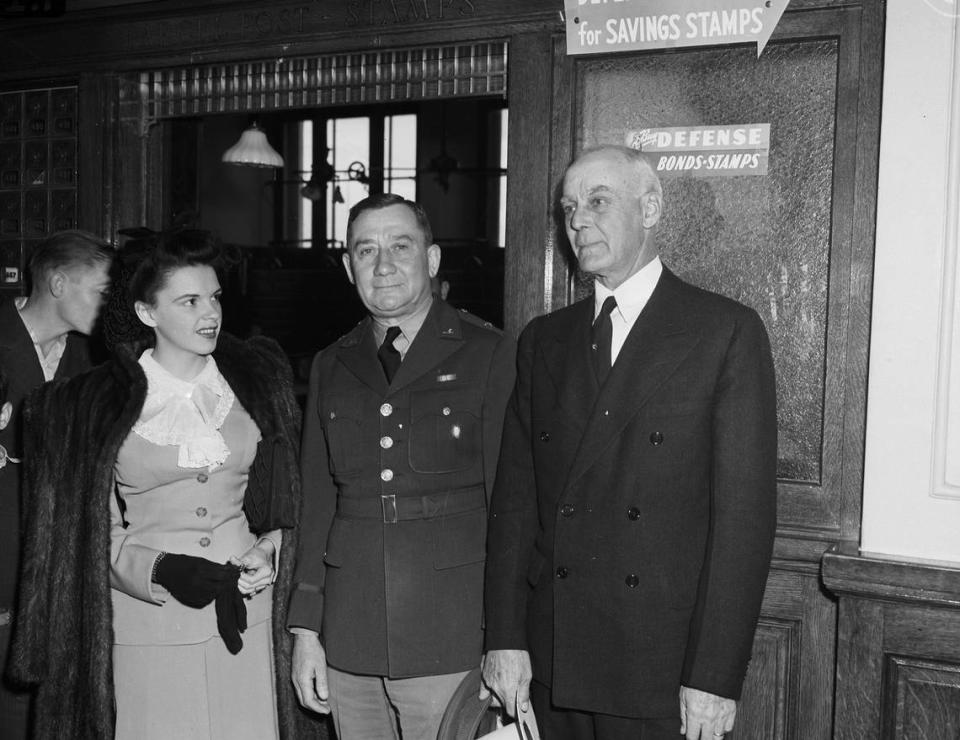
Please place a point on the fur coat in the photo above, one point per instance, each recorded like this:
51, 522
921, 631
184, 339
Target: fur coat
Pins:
73, 432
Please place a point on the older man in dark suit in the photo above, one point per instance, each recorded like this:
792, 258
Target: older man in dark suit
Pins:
401, 436
41, 338
633, 517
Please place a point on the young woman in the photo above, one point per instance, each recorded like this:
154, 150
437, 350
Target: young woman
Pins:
162, 496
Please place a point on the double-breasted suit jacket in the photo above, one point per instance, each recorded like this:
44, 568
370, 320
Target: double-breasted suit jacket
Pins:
20, 364
631, 525
396, 483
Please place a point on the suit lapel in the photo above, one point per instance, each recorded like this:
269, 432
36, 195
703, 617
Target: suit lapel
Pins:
17, 352
569, 364
358, 352
438, 338
658, 343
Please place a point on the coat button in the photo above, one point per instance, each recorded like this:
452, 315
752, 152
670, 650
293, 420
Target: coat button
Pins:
567, 510
633, 513
204, 542
656, 439
201, 511
386, 442
386, 409
632, 580
562, 572
203, 477
386, 475
544, 436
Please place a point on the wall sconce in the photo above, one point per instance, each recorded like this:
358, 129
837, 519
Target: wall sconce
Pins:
316, 187
253, 150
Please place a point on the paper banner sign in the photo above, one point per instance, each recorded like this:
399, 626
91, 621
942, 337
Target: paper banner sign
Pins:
705, 151
604, 26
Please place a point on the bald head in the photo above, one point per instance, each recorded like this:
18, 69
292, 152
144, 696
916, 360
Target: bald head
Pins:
612, 201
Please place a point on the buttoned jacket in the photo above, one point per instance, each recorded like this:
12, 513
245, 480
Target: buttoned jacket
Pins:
632, 524
396, 483
189, 511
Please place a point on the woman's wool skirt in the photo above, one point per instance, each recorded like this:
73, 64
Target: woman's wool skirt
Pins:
197, 692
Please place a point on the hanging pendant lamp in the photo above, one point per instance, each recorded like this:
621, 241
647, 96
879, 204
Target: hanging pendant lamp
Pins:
253, 150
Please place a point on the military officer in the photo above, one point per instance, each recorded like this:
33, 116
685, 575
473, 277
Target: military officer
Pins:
400, 444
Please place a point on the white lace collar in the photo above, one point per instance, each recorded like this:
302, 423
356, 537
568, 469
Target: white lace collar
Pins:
187, 414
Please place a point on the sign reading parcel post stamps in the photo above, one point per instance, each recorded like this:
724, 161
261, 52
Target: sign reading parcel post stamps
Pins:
705, 151
604, 26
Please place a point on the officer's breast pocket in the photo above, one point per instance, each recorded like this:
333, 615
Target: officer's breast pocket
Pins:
340, 415
445, 430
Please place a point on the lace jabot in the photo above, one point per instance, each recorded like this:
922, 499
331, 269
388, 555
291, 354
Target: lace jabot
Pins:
187, 414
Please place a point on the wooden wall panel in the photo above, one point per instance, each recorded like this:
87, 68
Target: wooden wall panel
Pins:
923, 699
898, 662
768, 691
788, 691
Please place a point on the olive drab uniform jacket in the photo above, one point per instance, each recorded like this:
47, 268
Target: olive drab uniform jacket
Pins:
397, 481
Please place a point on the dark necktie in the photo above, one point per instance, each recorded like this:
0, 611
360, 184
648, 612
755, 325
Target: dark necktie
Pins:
388, 355
601, 335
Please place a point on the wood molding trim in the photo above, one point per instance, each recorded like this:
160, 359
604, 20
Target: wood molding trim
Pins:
846, 573
946, 462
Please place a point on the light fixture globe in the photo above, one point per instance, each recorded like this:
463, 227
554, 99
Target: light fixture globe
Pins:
253, 150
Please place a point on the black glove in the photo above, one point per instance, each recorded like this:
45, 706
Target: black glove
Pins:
191, 580
231, 613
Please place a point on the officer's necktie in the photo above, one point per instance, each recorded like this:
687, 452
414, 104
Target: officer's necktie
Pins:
388, 355
601, 335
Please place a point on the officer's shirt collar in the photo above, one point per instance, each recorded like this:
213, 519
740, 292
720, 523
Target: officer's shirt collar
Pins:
409, 328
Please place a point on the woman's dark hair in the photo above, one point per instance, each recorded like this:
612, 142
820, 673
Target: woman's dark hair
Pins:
140, 271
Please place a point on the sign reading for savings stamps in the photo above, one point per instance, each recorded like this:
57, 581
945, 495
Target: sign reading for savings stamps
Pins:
604, 26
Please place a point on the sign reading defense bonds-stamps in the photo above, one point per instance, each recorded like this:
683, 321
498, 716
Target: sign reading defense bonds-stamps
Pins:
705, 151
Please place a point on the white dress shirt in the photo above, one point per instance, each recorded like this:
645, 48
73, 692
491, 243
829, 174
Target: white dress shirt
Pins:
632, 295
48, 362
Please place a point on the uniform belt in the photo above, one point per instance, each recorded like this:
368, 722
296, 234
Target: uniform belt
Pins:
392, 508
